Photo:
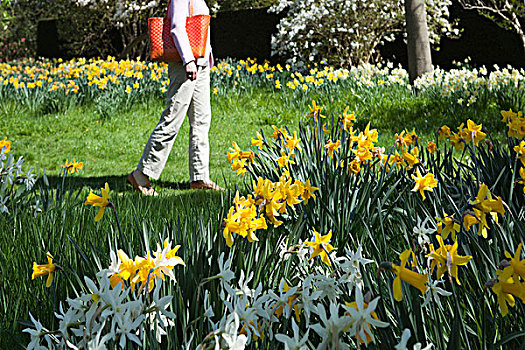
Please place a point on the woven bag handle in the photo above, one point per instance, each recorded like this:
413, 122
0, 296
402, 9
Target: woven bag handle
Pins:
168, 9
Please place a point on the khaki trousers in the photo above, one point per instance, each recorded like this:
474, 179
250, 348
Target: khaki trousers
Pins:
183, 96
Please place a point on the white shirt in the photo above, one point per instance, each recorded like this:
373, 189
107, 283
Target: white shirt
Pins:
179, 11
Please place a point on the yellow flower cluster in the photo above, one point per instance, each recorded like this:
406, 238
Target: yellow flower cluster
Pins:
240, 160
145, 271
5, 145
471, 132
268, 200
72, 166
510, 282
482, 205
515, 123
69, 76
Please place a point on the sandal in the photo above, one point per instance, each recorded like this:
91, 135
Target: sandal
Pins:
201, 185
145, 190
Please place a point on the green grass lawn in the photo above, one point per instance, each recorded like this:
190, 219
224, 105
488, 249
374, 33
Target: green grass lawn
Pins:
111, 147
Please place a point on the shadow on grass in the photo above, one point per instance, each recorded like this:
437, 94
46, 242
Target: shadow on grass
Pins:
116, 183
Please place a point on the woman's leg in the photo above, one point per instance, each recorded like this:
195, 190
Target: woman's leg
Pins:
158, 148
199, 116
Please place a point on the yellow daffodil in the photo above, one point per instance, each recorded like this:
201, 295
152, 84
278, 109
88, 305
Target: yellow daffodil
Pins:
293, 142
485, 203
444, 132
99, 201
354, 167
447, 225
331, 147
475, 132
446, 258
405, 274
431, 147
506, 290
519, 149
321, 246
44, 270
347, 120
315, 111
5, 145
522, 180
516, 267
424, 183
411, 158
457, 141
308, 191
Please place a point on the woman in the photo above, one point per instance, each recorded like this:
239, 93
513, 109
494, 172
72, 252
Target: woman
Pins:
188, 92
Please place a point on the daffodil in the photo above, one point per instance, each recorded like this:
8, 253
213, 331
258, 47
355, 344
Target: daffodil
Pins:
293, 142
347, 120
308, 191
446, 258
431, 147
331, 147
520, 152
365, 327
411, 158
476, 134
99, 201
5, 145
322, 246
405, 274
516, 267
505, 291
447, 225
44, 270
485, 203
424, 183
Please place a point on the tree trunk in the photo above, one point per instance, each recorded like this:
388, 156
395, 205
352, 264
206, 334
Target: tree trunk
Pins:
419, 58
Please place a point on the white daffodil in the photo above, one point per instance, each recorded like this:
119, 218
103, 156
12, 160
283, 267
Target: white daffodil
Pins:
295, 343
330, 329
404, 341
422, 232
361, 316
225, 274
126, 327
433, 292
328, 286
232, 338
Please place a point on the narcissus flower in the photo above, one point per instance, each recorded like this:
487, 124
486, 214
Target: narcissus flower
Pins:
259, 142
405, 274
475, 132
446, 258
331, 147
44, 270
505, 291
431, 147
447, 225
347, 120
424, 183
321, 246
5, 145
99, 201
72, 166
519, 149
444, 132
516, 267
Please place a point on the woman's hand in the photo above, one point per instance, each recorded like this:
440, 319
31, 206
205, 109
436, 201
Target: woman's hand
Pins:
191, 70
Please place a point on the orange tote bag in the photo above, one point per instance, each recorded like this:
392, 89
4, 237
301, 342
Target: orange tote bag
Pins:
161, 42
